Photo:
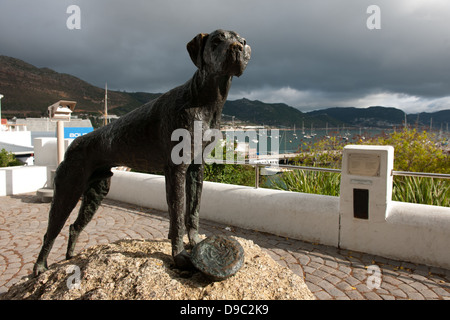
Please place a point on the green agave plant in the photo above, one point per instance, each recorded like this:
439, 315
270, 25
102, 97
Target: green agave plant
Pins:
422, 190
309, 182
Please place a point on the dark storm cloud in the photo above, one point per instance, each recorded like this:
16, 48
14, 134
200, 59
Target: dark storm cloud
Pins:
309, 54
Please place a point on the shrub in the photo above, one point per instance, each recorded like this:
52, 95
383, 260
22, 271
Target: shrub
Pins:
326, 152
229, 173
7, 159
415, 151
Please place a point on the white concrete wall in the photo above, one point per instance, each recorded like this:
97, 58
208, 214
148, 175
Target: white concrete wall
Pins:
289, 214
25, 179
45, 151
17, 180
419, 232
21, 138
3, 183
301, 216
45, 154
411, 232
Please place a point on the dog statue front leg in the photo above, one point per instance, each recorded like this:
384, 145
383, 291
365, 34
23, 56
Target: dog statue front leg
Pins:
194, 185
175, 178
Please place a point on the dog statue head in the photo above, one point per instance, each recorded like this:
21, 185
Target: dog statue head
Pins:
220, 52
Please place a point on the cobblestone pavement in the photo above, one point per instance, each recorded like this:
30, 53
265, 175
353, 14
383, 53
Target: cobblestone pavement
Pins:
329, 272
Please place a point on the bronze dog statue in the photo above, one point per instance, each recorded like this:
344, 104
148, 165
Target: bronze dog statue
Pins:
142, 140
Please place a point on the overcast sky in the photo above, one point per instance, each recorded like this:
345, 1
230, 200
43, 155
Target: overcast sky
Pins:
309, 54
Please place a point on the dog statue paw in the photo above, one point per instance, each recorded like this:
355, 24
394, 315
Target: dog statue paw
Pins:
183, 261
39, 269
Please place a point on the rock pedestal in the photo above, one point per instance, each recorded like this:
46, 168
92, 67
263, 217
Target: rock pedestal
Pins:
144, 269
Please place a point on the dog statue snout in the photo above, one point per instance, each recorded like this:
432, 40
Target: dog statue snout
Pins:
237, 46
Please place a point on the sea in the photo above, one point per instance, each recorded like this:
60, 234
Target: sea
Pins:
294, 141
288, 141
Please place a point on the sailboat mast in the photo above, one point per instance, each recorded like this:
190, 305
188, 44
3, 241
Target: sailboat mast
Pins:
106, 104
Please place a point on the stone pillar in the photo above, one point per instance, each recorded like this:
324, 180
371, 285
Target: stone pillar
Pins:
366, 190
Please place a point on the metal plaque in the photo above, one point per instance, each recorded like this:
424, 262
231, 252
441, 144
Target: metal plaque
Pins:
363, 164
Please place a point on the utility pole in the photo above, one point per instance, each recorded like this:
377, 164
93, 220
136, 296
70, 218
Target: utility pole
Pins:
406, 123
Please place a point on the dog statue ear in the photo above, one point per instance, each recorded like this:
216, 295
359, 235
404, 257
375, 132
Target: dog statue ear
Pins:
195, 48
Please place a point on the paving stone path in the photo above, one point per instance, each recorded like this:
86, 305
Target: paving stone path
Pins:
329, 272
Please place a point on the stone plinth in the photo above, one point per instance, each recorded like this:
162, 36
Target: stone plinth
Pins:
144, 269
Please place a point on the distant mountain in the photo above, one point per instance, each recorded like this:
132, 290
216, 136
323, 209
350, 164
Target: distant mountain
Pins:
372, 116
29, 90
140, 98
437, 120
385, 117
274, 114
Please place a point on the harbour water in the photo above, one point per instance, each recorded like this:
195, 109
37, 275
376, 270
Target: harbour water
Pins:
284, 141
293, 141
